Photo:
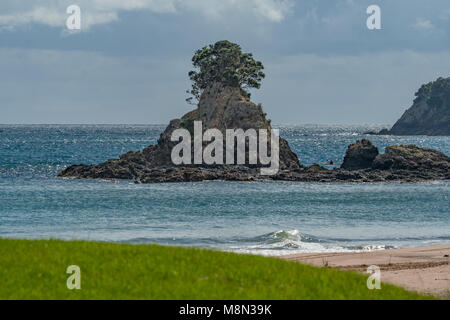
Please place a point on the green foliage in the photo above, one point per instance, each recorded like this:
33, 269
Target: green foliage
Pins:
435, 102
260, 108
224, 62
434, 91
37, 270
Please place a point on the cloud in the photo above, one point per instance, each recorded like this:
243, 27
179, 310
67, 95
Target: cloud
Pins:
44, 15
423, 24
54, 86
53, 18
53, 12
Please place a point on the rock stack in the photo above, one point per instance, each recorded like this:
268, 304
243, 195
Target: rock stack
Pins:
220, 107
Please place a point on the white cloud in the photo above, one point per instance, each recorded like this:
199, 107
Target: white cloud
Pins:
423, 24
53, 18
94, 12
43, 15
273, 10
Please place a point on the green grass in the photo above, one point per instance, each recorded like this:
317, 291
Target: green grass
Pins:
37, 270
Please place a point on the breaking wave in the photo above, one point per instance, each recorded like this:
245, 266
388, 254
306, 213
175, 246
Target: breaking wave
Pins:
283, 242
278, 243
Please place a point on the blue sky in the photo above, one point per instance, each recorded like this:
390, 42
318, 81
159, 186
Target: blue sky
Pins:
129, 63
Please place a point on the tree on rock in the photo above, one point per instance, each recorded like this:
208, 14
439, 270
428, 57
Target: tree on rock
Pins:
224, 62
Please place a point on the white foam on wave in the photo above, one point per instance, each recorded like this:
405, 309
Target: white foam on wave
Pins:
283, 242
287, 242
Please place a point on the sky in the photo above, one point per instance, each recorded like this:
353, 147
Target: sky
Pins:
129, 62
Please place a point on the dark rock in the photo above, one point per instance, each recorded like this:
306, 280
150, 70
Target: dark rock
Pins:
316, 169
220, 107
360, 155
413, 159
407, 164
224, 108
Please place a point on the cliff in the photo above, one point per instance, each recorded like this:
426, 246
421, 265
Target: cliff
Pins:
430, 113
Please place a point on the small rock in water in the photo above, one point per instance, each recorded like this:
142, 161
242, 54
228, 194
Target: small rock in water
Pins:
360, 155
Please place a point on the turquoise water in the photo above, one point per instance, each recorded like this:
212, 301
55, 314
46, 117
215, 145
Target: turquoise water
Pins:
264, 218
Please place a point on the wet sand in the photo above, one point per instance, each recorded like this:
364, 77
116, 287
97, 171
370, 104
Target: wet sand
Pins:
421, 269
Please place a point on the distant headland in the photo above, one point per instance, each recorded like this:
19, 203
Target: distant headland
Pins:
220, 87
430, 113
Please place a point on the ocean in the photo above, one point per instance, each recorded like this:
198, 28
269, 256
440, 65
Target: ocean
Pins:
267, 218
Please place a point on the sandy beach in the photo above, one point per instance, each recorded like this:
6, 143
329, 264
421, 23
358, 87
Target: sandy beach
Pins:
421, 269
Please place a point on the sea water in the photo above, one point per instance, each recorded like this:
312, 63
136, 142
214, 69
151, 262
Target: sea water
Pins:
268, 218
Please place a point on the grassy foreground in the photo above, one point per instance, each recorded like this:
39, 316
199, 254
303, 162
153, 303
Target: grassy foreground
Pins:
37, 270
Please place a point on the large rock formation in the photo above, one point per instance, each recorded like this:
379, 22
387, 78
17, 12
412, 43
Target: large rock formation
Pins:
360, 155
220, 107
430, 113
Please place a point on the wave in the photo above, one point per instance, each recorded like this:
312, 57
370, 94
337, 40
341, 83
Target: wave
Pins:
283, 242
278, 243
290, 236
